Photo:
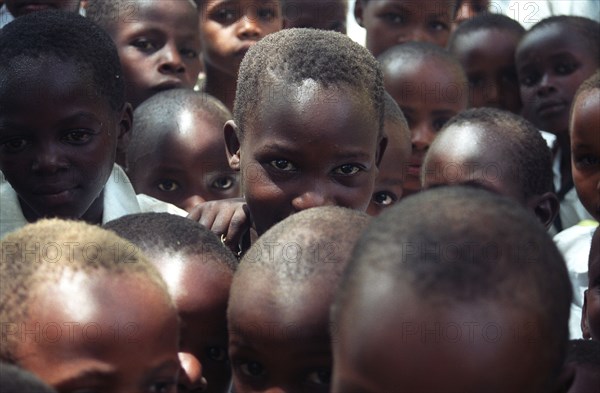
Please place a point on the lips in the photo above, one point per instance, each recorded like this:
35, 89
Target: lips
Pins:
551, 108
167, 85
54, 194
414, 165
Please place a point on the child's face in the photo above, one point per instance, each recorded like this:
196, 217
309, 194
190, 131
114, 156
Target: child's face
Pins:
58, 139
590, 318
585, 150
392, 169
490, 69
470, 9
429, 95
462, 155
190, 166
279, 344
312, 147
551, 63
200, 291
324, 15
21, 7
159, 48
228, 28
392, 22
417, 347
96, 338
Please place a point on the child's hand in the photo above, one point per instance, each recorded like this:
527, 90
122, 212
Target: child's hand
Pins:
228, 218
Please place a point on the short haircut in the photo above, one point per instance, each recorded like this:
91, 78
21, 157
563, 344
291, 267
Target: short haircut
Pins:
591, 83
455, 5
14, 379
475, 247
163, 233
107, 13
587, 29
165, 107
38, 255
292, 56
392, 111
289, 8
526, 155
486, 21
68, 37
583, 352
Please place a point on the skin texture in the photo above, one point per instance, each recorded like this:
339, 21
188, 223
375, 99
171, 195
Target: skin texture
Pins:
227, 30
490, 69
585, 150
110, 346
469, 9
552, 62
313, 147
403, 352
389, 186
280, 343
58, 140
590, 315
324, 15
200, 291
159, 48
190, 167
392, 22
21, 7
429, 96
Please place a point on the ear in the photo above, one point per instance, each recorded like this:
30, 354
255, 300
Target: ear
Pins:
380, 150
358, 12
232, 144
545, 207
125, 125
585, 328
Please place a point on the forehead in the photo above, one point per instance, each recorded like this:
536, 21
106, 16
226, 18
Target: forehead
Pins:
553, 41
419, 8
173, 15
475, 45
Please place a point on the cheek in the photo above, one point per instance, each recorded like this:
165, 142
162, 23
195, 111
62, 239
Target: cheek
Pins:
593, 312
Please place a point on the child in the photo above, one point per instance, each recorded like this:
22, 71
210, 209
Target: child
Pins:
278, 314
317, 14
392, 169
496, 150
198, 271
469, 9
470, 297
554, 57
584, 357
62, 118
16, 380
83, 310
19, 8
307, 130
177, 151
392, 22
228, 28
490, 68
430, 87
590, 317
158, 43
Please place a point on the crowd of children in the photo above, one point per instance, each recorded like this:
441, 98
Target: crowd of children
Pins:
234, 196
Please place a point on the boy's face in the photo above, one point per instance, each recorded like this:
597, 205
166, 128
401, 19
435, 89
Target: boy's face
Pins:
490, 69
159, 48
58, 139
590, 318
200, 291
417, 347
585, 150
279, 344
228, 28
392, 22
96, 338
389, 185
317, 14
190, 165
429, 94
463, 155
551, 63
310, 147
21, 7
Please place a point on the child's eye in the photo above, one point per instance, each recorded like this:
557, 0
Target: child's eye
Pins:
320, 377
223, 183
226, 15
15, 145
565, 69
166, 386
438, 26
347, 169
266, 14
282, 165
252, 369
475, 81
168, 185
439, 123
586, 161
394, 18
509, 77
217, 354
189, 53
529, 79
77, 137
384, 198
144, 45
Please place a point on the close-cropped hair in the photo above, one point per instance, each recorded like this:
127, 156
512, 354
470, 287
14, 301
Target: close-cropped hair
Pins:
14, 379
584, 352
292, 56
67, 37
39, 254
525, 152
486, 21
392, 111
591, 83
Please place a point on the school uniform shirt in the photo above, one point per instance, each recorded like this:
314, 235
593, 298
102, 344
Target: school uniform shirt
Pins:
5, 16
120, 199
574, 244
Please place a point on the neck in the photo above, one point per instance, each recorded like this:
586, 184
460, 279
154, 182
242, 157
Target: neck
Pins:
220, 85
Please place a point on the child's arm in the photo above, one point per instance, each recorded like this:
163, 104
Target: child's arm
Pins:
229, 218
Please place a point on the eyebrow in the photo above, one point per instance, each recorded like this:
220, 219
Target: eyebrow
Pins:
91, 373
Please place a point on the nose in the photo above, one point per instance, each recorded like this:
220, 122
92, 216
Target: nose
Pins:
48, 159
249, 28
421, 137
493, 94
546, 85
191, 376
417, 34
189, 203
316, 194
171, 61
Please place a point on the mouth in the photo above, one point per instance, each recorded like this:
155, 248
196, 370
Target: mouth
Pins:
167, 85
243, 50
551, 108
28, 7
55, 195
